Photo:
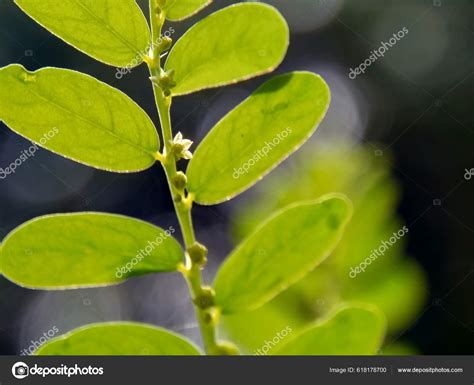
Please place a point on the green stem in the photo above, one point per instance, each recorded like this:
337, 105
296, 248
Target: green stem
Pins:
182, 202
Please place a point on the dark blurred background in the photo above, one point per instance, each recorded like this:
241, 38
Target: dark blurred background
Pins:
415, 102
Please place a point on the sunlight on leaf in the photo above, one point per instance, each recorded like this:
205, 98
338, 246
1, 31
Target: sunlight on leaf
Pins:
177, 10
111, 31
352, 330
231, 45
257, 135
280, 252
85, 250
78, 117
119, 339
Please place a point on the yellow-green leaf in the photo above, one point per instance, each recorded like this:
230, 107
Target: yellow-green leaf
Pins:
119, 339
78, 117
280, 252
86, 249
257, 135
231, 45
111, 31
351, 330
177, 10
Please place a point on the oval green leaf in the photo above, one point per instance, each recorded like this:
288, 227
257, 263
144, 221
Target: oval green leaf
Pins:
78, 117
85, 250
118, 339
280, 252
177, 10
351, 330
113, 32
231, 45
257, 135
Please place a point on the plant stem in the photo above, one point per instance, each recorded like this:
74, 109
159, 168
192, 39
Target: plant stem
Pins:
182, 202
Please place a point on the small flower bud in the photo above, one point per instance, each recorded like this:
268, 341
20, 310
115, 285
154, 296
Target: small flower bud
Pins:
205, 298
165, 44
164, 81
198, 253
180, 180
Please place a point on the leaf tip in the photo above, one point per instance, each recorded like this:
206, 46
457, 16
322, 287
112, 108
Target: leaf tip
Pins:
346, 208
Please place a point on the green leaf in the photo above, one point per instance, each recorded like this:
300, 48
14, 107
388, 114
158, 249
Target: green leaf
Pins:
250, 330
78, 117
177, 10
352, 330
398, 289
257, 135
231, 45
86, 249
111, 31
280, 252
117, 339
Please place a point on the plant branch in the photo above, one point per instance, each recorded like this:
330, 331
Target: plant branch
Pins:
206, 315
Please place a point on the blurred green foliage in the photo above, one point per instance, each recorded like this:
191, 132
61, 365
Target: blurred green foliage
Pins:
393, 282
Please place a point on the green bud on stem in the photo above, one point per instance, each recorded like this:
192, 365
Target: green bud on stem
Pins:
180, 180
205, 299
198, 253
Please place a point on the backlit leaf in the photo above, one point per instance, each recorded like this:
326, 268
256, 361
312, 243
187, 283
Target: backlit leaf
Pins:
78, 117
231, 45
177, 10
352, 330
114, 32
118, 339
280, 252
257, 135
86, 249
